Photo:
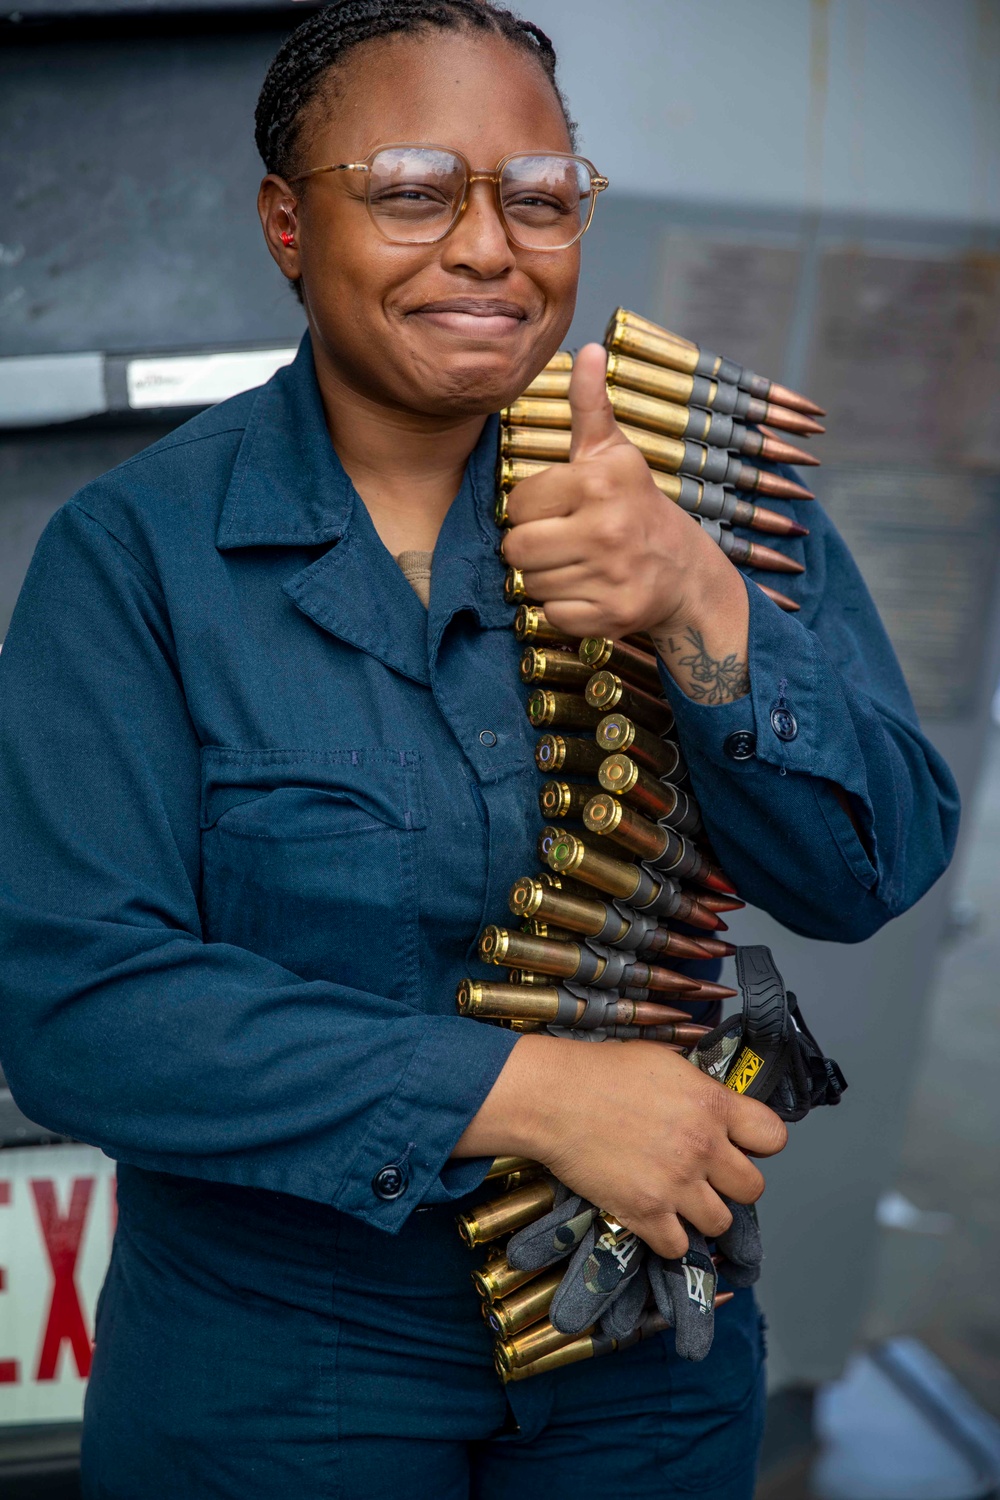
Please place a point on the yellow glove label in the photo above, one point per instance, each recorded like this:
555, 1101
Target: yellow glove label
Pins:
743, 1071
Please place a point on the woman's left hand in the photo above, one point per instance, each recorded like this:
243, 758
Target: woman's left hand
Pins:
606, 554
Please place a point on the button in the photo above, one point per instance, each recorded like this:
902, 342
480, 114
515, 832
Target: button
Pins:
741, 744
389, 1183
784, 723
487, 738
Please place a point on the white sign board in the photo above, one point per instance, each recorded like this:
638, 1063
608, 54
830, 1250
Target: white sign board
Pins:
200, 379
57, 1218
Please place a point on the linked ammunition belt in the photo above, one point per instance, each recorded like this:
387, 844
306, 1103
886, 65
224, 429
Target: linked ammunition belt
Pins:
622, 851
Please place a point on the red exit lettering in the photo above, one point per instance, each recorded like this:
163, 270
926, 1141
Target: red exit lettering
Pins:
10, 1370
62, 1235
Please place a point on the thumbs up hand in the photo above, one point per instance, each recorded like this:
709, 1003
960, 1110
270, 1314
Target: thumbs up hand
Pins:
607, 554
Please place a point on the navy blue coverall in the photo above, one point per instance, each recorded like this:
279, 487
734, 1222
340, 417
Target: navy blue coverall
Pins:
257, 804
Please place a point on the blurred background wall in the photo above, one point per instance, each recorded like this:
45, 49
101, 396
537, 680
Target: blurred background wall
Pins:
812, 186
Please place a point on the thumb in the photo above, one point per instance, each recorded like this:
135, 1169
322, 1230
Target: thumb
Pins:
594, 426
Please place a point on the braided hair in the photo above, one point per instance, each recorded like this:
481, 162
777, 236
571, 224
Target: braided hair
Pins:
296, 75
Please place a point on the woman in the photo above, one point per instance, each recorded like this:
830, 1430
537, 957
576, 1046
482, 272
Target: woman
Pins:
260, 798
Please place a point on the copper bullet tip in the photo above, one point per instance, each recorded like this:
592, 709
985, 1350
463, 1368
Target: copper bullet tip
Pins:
710, 991
792, 421
774, 561
779, 452
772, 522
781, 488
719, 903
782, 396
716, 948
717, 881
700, 916
794, 529
781, 600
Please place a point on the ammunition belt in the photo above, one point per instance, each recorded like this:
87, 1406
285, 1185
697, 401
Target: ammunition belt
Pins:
622, 849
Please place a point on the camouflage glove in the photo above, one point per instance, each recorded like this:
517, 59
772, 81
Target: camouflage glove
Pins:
607, 1260
739, 1250
684, 1291
554, 1236
627, 1311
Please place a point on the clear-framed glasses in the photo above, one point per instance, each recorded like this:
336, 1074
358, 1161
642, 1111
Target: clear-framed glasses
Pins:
417, 194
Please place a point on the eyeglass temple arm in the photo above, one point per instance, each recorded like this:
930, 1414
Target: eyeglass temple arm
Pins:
341, 166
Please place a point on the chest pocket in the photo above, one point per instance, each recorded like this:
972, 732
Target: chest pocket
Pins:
311, 859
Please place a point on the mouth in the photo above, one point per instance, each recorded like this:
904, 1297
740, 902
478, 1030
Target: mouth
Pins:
473, 317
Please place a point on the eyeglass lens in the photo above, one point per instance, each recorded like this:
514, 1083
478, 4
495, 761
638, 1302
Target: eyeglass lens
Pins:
415, 195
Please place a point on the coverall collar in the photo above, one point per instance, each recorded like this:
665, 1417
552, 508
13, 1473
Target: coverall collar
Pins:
289, 488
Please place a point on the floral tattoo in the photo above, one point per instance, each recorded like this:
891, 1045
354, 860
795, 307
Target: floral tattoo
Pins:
710, 680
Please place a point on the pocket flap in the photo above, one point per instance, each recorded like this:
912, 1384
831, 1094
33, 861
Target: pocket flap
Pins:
384, 783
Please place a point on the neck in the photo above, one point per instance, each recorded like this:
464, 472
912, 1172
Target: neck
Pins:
406, 467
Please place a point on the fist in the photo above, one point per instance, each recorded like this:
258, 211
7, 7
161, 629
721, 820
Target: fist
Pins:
599, 546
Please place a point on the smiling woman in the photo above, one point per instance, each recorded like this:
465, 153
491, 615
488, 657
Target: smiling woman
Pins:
259, 797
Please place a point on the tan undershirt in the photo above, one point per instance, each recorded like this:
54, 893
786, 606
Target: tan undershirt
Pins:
416, 569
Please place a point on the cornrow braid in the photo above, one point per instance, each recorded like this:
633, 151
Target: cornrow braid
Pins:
295, 76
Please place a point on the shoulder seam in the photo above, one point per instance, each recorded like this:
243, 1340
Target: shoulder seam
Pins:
185, 442
75, 504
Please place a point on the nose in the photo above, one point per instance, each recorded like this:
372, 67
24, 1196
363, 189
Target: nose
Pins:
478, 244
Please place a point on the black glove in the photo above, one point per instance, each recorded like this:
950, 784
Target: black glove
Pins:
768, 1052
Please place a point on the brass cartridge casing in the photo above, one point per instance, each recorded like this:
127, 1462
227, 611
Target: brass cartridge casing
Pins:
532, 628
586, 1346
498, 1278
608, 692
562, 710
498, 945
573, 756
649, 412
539, 665
535, 411
617, 732
546, 838
561, 360
636, 320
594, 867
563, 799
631, 664
514, 591
489, 1001
525, 1347
577, 913
549, 383
625, 777
651, 380
526, 1306
487, 1221
605, 815
534, 443
626, 336
502, 1166
535, 928
581, 1348
513, 470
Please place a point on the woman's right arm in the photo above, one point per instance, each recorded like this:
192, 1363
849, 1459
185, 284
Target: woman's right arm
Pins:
119, 1024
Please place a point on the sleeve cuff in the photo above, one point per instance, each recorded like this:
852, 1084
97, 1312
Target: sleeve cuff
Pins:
794, 717
405, 1158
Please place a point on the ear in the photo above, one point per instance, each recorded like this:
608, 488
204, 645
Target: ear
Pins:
277, 206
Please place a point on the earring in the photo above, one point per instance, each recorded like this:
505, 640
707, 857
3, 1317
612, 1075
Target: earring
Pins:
286, 237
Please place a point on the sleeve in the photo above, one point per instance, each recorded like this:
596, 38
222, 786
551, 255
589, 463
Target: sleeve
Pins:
119, 1025
828, 714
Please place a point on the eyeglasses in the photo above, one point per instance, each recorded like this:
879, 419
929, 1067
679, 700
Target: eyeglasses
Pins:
417, 194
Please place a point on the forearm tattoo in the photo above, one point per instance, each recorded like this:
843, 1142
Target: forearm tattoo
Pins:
706, 678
